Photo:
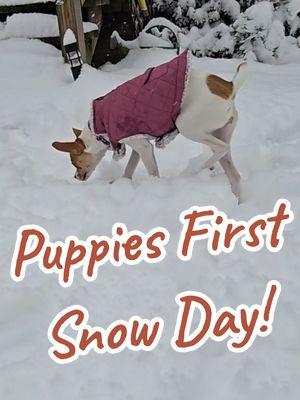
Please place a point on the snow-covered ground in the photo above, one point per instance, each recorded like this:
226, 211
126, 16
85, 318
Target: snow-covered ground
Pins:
22, 2
39, 103
34, 25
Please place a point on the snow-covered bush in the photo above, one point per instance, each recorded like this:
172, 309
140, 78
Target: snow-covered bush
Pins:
293, 17
218, 42
266, 30
253, 26
259, 32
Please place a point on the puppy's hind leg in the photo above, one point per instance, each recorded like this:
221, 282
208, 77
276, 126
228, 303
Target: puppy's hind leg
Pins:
232, 175
218, 147
226, 162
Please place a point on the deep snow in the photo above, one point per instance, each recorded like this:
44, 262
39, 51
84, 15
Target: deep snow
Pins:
34, 25
21, 2
40, 103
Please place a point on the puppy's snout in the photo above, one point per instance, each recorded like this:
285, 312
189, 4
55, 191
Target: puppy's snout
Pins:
80, 177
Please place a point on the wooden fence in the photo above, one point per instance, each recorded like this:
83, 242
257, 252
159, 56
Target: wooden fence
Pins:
69, 14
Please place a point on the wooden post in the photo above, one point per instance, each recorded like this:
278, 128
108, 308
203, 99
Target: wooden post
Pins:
69, 16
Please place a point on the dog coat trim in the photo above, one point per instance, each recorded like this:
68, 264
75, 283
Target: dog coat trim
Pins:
120, 150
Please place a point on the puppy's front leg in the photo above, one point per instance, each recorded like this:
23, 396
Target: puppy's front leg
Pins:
145, 150
131, 165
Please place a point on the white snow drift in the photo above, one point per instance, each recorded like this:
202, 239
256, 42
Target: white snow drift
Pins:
39, 103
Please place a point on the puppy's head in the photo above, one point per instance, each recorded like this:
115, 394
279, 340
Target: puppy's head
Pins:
84, 161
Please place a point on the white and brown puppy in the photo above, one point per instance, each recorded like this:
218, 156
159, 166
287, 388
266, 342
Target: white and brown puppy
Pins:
208, 115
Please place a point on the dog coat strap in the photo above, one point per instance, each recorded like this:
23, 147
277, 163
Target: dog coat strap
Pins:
118, 152
102, 139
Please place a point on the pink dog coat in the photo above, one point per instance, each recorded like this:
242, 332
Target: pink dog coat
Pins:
148, 104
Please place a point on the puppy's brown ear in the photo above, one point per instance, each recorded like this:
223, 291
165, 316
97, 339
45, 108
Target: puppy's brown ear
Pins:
76, 147
62, 146
77, 132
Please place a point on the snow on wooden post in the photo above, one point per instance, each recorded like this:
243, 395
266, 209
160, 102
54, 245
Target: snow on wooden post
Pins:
69, 16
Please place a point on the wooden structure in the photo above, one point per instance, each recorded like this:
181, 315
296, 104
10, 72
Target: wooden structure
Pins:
69, 16
128, 17
125, 16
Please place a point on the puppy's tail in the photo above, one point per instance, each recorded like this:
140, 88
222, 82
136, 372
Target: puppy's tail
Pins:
240, 77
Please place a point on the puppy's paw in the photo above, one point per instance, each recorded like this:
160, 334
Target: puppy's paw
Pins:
238, 194
213, 172
125, 178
